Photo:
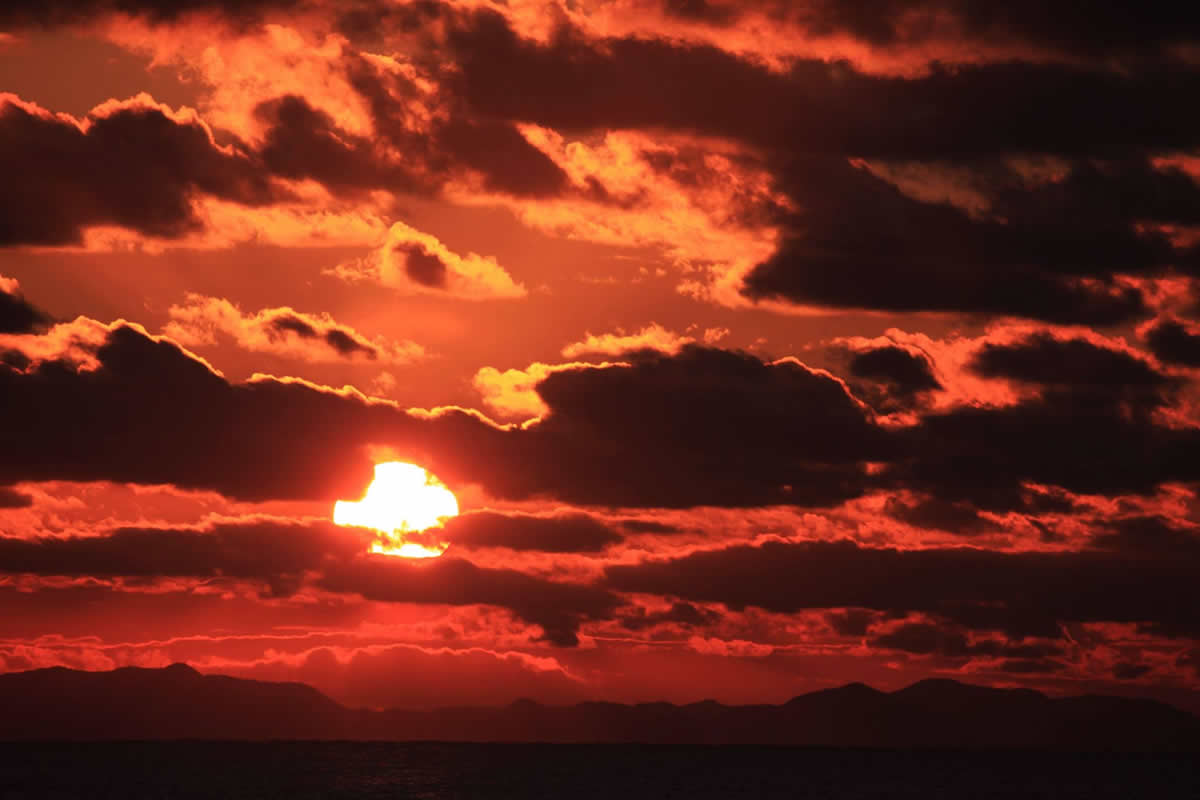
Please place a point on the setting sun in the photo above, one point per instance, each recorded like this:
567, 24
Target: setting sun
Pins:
403, 499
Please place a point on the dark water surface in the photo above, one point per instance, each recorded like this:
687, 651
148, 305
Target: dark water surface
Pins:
613, 772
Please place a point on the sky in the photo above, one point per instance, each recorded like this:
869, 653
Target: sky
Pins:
765, 345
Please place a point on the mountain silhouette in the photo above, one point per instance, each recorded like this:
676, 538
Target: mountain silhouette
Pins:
177, 702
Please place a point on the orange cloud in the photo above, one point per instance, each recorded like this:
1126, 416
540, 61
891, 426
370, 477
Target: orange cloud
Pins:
281, 331
413, 262
650, 337
513, 392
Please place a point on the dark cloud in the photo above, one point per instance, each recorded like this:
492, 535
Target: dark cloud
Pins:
1129, 672
649, 526
648, 82
933, 512
559, 608
924, 639
17, 315
906, 371
951, 641
305, 142
1031, 666
11, 498
280, 553
1091, 430
293, 324
1022, 594
348, 344
682, 614
852, 621
344, 340
1149, 536
889, 378
1174, 343
556, 533
132, 166
151, 414
1048, 251
505, 159
47, 13
703, 427
421, 266
1075, 365
1101, 30
261, 549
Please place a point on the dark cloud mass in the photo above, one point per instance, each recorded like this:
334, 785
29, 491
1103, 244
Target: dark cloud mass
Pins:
1174, 342
558, 608
559, 533
267, 550
421, 266
11, 498
344, 340
133, 166
890, 378
17, 315
1094, 30
65, 12
1023, 594
703, 427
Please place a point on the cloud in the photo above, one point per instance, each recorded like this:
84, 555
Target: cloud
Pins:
1102, 31
282, 332
658, 82
16, 314
68, 12
156, 414
1023, 594
704, 426
413, 262
264, 549
1076, 365
613, 436
701, 427
651, 337
1048, 250
559, 608
513, 393
134, 164
285, 554
1088, 419
889, 377
569, 532
11, 498
684, 615
1174, 342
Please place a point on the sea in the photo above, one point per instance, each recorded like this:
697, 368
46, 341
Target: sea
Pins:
432, 771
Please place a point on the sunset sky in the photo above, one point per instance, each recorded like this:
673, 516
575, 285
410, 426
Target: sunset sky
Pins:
765, 345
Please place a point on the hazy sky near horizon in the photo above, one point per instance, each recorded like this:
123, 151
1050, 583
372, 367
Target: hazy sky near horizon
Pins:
766, 345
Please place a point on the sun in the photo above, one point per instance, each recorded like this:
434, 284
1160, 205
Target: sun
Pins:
403, 499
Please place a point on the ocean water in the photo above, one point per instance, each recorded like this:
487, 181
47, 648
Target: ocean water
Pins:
433, 771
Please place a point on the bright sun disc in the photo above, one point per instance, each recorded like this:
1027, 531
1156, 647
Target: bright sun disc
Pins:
402, 499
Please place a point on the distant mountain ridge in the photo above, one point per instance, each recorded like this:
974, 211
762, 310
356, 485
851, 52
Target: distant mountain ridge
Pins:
177, 702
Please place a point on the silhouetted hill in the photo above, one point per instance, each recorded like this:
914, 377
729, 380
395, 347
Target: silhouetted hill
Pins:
178, 702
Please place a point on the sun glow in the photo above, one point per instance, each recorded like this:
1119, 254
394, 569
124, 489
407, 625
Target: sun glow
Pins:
403, 499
